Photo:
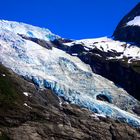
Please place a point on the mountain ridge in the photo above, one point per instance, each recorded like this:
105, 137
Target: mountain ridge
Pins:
126, 30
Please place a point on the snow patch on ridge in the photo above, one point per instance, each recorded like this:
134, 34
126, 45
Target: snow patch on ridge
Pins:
134, 22
26, 94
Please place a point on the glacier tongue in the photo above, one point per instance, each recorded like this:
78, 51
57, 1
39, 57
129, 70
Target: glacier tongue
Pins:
66, 75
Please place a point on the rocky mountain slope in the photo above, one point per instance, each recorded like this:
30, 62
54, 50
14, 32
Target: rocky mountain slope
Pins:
56, 88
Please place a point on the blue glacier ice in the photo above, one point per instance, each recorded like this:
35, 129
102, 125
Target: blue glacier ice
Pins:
31, 34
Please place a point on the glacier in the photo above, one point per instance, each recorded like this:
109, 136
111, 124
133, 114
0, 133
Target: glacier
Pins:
63, 73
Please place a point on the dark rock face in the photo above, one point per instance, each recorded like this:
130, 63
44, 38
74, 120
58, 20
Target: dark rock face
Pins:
42, 43
128, 33
117, 71
44, 117
45, 44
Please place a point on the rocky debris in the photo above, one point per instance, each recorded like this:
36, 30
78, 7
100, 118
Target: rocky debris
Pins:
75, 129
47, 119
43, 43
47, 44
